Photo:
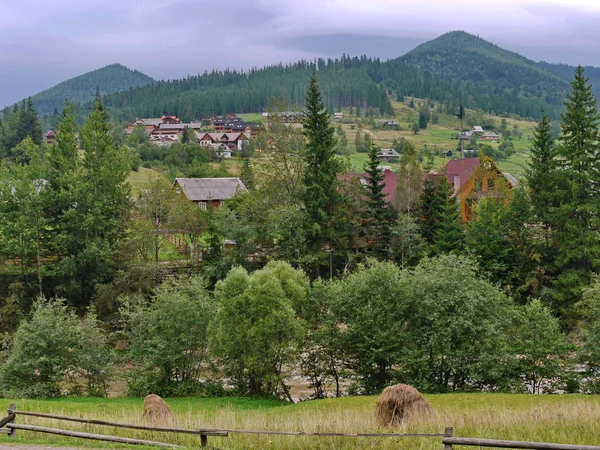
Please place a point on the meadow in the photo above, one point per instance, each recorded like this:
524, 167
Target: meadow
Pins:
571, 419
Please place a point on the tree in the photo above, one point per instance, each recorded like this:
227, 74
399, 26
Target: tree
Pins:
415, 127
574, 219
449, 235
247, 175
169, 337
459, 325
320, 177
540, 345
375, 346
428, 211
188, 136
256, 333
89, 200
358, 140
379, 214
408, 245
47, 351
424, 117
410, 179
487, 238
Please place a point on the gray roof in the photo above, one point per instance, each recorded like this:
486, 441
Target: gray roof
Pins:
387, 152
173, 126
202, 189
230, 136
511, 179
155, 122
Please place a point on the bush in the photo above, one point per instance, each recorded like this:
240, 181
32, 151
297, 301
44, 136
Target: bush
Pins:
169, 337
51, 348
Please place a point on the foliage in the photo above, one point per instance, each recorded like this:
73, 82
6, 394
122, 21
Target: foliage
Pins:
449, 234
169, 336
256, 334
52, 346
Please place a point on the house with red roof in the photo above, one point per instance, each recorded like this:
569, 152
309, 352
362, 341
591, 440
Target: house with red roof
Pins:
474, 179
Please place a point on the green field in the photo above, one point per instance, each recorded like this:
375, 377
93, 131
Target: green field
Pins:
569, 419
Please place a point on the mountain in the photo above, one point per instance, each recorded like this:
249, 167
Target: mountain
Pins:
489, 76
81, 89
455, 67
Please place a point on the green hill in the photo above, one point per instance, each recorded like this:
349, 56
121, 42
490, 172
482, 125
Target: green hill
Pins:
81, 89
488, 76
457, 67
566, 71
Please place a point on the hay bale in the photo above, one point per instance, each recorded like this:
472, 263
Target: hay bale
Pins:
399, 403
157, 412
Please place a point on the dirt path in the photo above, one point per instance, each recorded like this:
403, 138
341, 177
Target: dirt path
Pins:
35, 447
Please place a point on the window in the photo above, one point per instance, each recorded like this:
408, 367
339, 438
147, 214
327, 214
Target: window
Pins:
202, 205
490, 185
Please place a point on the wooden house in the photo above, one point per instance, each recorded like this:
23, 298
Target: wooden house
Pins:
209, 192
474, 179
50, 137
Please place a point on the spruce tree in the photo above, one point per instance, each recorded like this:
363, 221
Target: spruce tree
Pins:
429, 210
321, 168
575, 220
541, 174
379, 214
448, 235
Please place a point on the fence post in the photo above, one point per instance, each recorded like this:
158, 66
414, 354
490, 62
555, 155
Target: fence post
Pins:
448, 432
203, 440
13, 432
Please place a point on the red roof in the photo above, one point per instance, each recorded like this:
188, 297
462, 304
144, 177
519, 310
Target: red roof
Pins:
463, 168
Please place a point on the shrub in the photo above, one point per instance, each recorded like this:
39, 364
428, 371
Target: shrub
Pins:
168, 337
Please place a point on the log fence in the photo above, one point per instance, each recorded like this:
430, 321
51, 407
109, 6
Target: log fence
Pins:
9, 427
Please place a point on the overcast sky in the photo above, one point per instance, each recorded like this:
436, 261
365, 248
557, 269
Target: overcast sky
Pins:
44, 42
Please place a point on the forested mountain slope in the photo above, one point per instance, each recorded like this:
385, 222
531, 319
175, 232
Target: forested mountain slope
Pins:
487, 76
454, 68
344, 83
81, 89
566, 71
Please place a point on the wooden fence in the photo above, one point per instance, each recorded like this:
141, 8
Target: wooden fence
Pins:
9, 426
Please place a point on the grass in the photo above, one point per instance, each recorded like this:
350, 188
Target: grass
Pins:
142, 179
568, 419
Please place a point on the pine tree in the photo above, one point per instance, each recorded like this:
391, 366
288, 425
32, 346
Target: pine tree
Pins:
449, 235
321, 167
379, 214
429, 210
575, 220
541, 174
358, 141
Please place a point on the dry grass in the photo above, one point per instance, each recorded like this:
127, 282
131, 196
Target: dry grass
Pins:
566, 419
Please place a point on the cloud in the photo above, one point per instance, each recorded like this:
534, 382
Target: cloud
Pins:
46, 42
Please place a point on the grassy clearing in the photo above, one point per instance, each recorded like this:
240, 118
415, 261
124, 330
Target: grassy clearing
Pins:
550, 418
142, 179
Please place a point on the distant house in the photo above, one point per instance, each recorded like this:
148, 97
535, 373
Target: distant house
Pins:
235, 141
465, 135
477, 129
490, 136
338, 116
208, 192
49, 137
221, 151
447, 153
387, 154
387, 123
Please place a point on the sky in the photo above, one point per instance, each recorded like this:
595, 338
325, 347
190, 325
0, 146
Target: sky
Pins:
45, 42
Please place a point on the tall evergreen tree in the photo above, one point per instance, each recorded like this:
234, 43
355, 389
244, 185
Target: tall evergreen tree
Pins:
379, 214
247, 174
575, 220
321, 168
541, 172
449, 234
429, 211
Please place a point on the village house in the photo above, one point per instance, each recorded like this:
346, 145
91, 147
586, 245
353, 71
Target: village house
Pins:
221, 151
49, 137
477, 129
387, 154
209, 192
474, 179
338, 116
387, 123
235, 141
490, 136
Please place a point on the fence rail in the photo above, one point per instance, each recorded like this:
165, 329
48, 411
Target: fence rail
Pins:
449, 442
11, 426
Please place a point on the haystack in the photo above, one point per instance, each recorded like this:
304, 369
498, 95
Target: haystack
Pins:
399, 403
157, 412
